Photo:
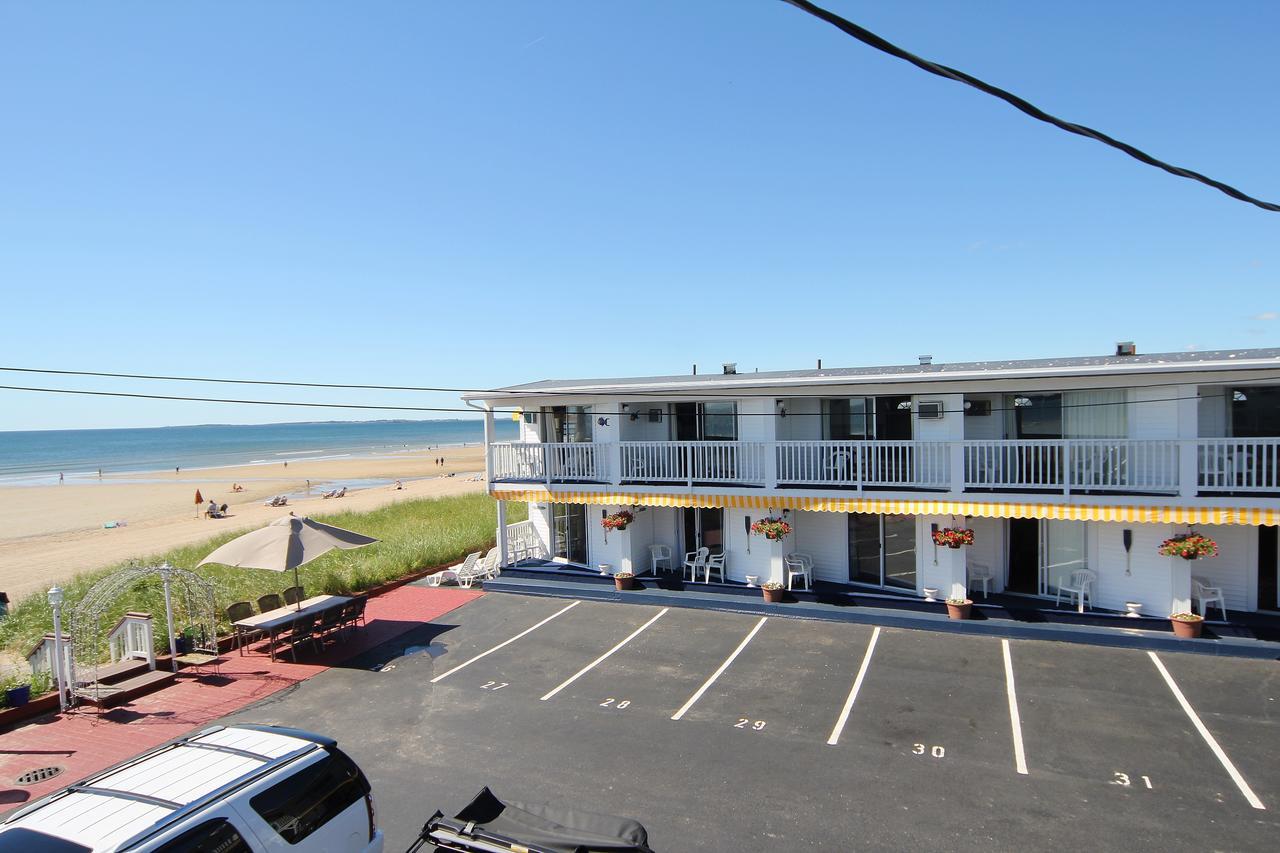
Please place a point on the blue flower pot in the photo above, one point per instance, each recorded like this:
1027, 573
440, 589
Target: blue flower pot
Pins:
18, 696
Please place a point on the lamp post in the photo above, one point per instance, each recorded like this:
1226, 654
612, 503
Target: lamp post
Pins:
166, 573
55, 602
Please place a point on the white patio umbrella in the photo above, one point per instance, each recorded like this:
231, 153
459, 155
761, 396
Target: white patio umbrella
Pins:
285, 544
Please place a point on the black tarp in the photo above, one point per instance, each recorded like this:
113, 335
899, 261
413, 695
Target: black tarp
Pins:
543, 828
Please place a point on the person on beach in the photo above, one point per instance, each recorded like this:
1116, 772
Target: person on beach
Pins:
61, 478
99, 473
399, 485
176, 469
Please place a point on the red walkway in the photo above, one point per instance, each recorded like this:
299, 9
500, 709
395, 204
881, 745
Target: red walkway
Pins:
84, 742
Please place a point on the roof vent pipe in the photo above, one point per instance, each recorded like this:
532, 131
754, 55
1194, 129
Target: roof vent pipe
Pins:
695, 370
730, 368
925, 359
1126, 348
819, 364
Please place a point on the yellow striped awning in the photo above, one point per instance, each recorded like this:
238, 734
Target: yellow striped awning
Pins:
1065, 512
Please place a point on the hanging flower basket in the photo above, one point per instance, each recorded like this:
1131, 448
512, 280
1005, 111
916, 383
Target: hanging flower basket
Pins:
953, 537
774, 529
617, 521
1189, 546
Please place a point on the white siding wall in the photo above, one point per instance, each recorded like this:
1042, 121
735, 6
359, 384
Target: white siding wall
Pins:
1213, 411
756, 419
987, 548
1235, 569
1152, 414
825, 537
530, 432
1148, 581
540, 515
740, 562
803, 421
985, 427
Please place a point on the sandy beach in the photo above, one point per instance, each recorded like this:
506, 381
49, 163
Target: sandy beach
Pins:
49, 533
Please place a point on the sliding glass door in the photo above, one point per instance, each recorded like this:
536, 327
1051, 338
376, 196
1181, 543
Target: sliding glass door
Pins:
882, 550
569, 532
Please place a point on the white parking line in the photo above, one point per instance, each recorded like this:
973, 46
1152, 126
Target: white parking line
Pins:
853, 691
720, 671
637, 632
1015, 719
445, 675
1208, 738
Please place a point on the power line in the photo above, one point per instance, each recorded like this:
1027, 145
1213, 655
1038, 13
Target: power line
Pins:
869, 38
535, 392
518, 411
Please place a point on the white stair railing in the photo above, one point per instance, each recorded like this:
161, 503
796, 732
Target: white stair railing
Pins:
133, 639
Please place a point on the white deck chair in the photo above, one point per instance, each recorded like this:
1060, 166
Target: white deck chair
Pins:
978, 573
1207, 595
694, 561
660, 558
455, 573
799, 566
1078, 587
715, 563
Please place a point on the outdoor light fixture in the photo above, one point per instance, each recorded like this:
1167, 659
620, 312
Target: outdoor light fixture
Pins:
782, 409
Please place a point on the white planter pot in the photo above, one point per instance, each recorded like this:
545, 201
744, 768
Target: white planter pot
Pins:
753, 580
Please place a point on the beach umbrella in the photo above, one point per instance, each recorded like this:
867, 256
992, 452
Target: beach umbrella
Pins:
199, 500
285, 544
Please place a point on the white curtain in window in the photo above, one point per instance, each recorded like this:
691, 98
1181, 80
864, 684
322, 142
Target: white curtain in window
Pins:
1095, 414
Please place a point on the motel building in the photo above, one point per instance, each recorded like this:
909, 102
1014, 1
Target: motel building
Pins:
1056, 465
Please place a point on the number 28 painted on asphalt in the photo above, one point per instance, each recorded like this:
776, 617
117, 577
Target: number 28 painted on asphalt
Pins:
621, 705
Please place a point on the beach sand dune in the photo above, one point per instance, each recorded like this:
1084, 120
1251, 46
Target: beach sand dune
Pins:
50, 533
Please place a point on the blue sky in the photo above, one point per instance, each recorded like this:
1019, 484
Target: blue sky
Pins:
469, 194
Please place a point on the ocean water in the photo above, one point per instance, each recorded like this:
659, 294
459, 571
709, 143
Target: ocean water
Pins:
38, 457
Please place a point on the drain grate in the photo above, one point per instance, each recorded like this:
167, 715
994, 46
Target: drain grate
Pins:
40, 774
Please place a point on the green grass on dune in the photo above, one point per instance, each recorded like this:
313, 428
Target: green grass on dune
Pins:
413, 535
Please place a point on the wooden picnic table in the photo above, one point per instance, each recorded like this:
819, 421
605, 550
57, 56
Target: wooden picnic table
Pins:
273, 621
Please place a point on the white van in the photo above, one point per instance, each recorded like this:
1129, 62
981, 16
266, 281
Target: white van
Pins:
228, 789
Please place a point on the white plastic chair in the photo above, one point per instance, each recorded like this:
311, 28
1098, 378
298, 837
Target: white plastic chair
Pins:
694, 561
799, 566
660, 558
455, 573
978, 573
715, 563
1206, 595
1079, 588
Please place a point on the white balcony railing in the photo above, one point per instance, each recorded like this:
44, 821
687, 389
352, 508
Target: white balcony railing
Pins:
842, 464
572, 462
1239, 464
1064, 466
1085, 464
691, 462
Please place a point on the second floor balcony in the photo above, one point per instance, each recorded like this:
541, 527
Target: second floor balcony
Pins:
1206, 466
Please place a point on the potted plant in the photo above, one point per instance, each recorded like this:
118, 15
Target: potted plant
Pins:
186, 641
953, 537
958, 608
773, 529
1189, 546
772, 591
618, 520
17, 695
624, 580
1186, 625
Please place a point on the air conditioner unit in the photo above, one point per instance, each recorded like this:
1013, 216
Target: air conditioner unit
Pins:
929, 411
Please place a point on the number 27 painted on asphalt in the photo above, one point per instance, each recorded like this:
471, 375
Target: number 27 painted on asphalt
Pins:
495, 685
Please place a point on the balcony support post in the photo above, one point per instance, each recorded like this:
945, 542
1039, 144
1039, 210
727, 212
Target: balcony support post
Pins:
488, 446
1188, 448
503, 548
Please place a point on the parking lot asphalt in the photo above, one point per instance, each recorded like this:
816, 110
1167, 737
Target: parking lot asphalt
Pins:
731, 732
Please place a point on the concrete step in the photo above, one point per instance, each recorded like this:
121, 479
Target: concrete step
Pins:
106, 695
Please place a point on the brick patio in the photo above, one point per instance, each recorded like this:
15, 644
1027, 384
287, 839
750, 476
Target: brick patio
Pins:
84, 742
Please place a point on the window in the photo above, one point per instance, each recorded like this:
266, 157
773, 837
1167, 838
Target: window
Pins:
212, 836
310, 798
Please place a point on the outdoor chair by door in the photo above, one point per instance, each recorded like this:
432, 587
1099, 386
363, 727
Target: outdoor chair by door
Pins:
715, 563
694, 561
799, 566
980, 574
1208, 596
1078, 588
660, 558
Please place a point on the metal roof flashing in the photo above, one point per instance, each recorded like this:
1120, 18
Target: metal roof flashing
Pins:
1107, 365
